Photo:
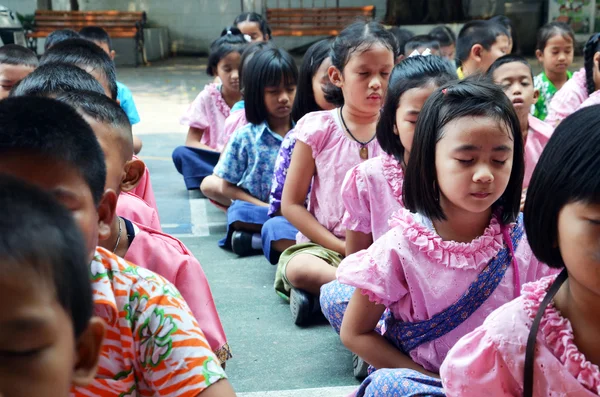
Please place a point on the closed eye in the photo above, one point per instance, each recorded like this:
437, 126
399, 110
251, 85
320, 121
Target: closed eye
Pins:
463, 161
500, 161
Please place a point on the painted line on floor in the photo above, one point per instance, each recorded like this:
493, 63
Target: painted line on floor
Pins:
198, 216
319, 392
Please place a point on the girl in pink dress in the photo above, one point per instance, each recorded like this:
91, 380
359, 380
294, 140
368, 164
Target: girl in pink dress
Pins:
329, 143
454, 254
582, 89
545, 343
206, 115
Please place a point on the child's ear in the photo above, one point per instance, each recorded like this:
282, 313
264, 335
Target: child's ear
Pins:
134, 170
335, 76
106, 213
536, 95
112, 54
597, 59
89, 346
539, 55
477, 52
399, 58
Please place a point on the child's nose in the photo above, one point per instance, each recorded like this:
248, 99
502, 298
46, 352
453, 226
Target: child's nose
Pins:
483, 174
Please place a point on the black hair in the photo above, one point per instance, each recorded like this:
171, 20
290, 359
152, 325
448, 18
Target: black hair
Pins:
59, 36
97, 34
14, 54
248, 53
444, 35
267, 68
305, 97
264, 27
507, 23
46, 127
402, 36
105, 111
419, 41
84, 53
53, 78
466, 98
568, 169
40, 236
357, 37
231, 40
484, 33
413, 72
591, 48
550, 30
503, 60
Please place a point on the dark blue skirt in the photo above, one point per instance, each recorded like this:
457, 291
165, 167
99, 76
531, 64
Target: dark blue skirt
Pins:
275, 229
194, 164
243, 211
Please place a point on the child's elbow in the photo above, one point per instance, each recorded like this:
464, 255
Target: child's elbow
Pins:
347, 337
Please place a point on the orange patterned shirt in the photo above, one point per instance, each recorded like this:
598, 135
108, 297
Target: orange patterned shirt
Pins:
153, 345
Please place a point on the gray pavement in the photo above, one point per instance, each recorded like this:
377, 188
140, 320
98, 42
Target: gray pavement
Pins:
272, 356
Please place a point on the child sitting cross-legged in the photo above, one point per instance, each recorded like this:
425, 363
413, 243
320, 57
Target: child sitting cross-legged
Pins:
153, 344
50, 339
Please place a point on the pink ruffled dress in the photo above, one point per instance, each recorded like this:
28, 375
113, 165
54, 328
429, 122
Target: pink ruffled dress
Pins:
489, 361
208, 112
570, 98
372, 192
417, 275
537, 137
235, 120
335, 154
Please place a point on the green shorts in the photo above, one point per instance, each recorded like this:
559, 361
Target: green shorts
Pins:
282, 284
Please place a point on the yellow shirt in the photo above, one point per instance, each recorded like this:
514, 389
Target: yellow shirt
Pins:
459, 73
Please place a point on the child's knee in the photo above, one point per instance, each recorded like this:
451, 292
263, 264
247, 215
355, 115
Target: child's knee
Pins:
210, 186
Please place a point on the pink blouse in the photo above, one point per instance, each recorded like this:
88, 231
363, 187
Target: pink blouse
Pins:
490, 360
335, 154
144, 189
568, 99
235, 120
417, 275
170, 258
537, 137
208, 112
137, 210
377, 184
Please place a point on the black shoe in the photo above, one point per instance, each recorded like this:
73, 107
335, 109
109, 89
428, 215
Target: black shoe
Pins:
360, 367
241, 243
301, 306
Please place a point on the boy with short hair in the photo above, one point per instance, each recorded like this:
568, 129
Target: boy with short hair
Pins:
136, 243
58, 36
513, 73
49, 338
478, 45
16, 62
153, 345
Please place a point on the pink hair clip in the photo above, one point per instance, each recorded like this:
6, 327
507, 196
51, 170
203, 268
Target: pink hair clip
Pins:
445, 91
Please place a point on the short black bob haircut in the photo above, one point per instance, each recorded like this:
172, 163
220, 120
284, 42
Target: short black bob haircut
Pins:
267, 68
97, 34
484, 33
305, 97
85, 54
46, 127
552, 29
414, 72
503, 60
264, 27
231, 40
248, 53
59, 36
357, 38
444, 35
39, 238
471, 97
53, 78
14, 54
567, 172
419, 41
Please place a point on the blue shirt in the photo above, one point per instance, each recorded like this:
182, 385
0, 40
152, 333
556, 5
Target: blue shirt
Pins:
126, 100
249, 159
239, 105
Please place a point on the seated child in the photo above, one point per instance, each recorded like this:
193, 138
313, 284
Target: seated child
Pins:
454, 254
206, 115
402, 37
146, 247
545, 343
16, 62
420, 44
49, 338
582, 89
101, 38
151, 331
59, 35
554, 51
254, 26
478, 45
278, 234
447, 39
503, 20
242, 178
94, 60
514, 75
329, 143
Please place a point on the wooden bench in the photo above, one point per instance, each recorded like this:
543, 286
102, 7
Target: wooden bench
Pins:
118, 24
327, 21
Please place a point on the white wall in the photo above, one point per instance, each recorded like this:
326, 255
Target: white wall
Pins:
24, 7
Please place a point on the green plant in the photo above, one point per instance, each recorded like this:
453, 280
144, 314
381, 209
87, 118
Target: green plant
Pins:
28, 21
